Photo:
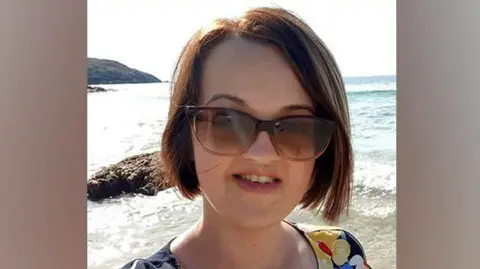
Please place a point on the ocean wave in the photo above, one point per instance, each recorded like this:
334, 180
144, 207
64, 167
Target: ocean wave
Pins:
375, 177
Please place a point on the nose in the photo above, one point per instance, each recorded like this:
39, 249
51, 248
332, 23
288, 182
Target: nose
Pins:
262, 150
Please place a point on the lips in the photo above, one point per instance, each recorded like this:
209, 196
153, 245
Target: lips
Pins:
256, 183
257, 178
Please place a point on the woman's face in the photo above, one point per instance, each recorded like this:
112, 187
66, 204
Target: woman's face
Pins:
254, 79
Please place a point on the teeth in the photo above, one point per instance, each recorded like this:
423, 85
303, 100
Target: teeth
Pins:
258, 179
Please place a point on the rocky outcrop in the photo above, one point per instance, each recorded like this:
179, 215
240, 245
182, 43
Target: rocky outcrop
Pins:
91, 89
134, 175
104, 71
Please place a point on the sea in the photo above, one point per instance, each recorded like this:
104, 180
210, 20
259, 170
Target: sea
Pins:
131, 120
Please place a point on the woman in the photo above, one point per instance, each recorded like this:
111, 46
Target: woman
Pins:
258, 124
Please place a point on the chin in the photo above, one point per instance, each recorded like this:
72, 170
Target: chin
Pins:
246, 215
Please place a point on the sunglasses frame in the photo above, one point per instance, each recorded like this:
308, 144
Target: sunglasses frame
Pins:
260, 125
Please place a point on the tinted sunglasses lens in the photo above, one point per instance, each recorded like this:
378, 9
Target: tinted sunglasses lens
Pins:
302, 138
224, 131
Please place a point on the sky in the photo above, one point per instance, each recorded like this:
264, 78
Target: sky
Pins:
149, 34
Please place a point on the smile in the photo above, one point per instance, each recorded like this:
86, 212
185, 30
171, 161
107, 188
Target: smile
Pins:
257, 183
257, 179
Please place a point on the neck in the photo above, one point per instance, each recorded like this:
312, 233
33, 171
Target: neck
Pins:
245, 248
215, 243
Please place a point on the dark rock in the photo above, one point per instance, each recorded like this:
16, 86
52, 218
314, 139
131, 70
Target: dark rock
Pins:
138, 174
91, 89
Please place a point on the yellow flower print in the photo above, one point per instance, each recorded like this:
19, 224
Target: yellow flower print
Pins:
341, 252
323, 242
325, 263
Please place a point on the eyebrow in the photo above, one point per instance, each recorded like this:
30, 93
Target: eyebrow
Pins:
241, 102
229, 97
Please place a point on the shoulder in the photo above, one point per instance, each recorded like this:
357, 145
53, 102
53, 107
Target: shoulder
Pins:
163, 259
337, 244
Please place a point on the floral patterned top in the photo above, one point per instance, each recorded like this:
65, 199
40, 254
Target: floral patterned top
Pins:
334, 247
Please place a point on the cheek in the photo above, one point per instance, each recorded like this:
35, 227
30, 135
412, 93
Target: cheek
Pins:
300, 176
204, 161
210, 168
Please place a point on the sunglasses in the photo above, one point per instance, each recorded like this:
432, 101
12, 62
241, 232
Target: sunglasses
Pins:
230, 132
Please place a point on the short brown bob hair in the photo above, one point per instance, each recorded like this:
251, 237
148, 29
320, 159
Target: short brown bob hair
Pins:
316, 70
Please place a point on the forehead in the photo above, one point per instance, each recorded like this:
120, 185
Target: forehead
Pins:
256, 73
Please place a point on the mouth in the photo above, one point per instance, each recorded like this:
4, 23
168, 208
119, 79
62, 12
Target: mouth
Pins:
257, 179
256, 183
